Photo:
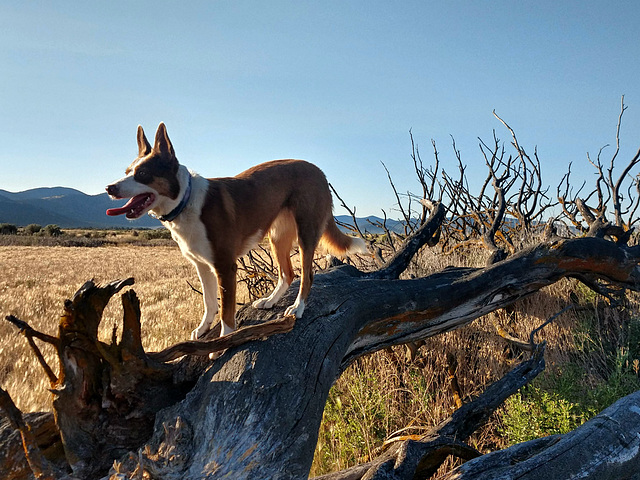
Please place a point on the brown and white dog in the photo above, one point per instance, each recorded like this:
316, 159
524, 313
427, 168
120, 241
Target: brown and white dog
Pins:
215, 221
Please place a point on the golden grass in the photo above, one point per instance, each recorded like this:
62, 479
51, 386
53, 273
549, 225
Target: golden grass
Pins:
35, 281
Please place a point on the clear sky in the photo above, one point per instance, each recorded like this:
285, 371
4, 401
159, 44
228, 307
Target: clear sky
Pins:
339, 83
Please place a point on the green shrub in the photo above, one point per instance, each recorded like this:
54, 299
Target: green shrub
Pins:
52, 231
32, 229
162, 233
372, 400
8, 229
534, 413
352, 421
561, 401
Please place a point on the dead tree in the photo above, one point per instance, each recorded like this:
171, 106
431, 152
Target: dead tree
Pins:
254, 411
617, 196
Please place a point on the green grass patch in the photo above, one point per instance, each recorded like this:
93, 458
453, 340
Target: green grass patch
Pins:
561, 401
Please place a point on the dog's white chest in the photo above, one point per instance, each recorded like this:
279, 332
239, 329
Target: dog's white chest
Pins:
194, 244
189, 231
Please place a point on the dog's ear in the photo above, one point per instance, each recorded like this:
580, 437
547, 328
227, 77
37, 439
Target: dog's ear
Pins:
163, 144
143, 144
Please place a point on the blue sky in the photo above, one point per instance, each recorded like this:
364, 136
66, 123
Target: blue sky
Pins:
338, 83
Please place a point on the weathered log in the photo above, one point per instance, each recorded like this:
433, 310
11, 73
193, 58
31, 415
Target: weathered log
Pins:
255, 413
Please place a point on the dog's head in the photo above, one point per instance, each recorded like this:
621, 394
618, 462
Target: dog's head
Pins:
151, 181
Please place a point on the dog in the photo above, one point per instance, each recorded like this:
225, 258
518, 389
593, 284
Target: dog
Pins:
215, 221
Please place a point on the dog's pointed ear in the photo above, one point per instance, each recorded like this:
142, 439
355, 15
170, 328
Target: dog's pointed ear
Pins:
163, 144
144, 148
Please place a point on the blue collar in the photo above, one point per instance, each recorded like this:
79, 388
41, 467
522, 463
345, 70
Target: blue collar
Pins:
171, 216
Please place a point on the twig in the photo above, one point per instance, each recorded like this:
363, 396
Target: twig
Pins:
26, 329
406, 216
547, 322
29, 334
351, 211
239, 337
521, 344
193, 288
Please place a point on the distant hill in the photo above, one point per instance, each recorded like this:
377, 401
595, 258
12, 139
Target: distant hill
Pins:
69, 208
40, 193
65, 207
370, 224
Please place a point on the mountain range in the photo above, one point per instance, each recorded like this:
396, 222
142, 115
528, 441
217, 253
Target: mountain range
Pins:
70, 208
65, 207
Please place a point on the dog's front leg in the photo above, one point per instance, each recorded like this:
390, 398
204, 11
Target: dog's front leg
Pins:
227, 276
210, 293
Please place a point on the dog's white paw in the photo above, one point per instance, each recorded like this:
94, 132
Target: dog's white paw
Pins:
263, 303
198, 332
270, 300
297, 309
225, 329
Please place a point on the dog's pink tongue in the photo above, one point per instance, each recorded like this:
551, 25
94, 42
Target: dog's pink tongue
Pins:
131, 206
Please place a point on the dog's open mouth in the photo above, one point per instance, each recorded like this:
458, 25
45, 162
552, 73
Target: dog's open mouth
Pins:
135, 207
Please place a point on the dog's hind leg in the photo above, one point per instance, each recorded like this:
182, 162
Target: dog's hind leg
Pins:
281, 237
310, 228
209, 284
297, 308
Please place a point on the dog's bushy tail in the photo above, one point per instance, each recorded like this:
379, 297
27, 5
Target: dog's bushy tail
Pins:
336, 242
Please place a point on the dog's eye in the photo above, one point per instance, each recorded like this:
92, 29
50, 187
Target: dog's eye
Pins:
142, 176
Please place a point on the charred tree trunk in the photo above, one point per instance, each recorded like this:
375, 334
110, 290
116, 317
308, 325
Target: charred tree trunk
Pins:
105, 396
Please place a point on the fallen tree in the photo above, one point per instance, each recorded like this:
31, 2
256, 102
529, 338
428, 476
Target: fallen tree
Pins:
254, 411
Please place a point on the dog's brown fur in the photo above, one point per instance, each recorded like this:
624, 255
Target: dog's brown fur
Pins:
288, 199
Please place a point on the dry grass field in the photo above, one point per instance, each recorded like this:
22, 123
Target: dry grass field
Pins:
381, 396
35, 281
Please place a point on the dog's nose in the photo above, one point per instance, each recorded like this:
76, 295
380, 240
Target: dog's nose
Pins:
112, 190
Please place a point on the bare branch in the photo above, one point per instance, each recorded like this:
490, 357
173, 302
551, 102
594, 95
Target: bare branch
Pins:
30, 334
406, 215
239, 337
399, 262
